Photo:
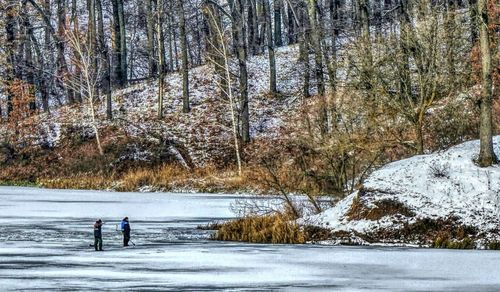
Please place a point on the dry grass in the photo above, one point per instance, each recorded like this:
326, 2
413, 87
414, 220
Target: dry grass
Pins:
172, 176
386, 207
274, 229
444, 241
77, 183
494, 245
438, 233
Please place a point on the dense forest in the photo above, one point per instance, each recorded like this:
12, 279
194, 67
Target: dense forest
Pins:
368, 82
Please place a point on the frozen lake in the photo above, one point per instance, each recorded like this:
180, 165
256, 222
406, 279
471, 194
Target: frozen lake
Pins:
45, 237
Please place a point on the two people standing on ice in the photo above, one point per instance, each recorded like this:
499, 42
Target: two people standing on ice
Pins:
124, 227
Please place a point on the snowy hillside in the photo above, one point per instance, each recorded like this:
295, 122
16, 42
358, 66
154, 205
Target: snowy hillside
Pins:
204, 134
437, 188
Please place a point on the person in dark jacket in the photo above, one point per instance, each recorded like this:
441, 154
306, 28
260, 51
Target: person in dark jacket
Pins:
98, 235
125, 227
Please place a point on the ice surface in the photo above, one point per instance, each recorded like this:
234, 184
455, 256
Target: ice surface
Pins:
45, 236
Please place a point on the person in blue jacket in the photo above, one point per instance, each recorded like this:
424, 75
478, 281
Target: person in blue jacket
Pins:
125, 228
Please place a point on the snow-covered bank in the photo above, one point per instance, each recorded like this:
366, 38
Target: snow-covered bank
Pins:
444, 188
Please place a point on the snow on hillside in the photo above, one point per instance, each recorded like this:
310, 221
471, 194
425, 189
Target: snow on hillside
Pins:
205, 132
440, 185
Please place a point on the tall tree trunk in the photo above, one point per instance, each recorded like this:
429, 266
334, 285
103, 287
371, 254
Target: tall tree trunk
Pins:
304, 50
173, 31
239, 35
105, 62
150, 26
185, 66
251, 24
473, 21
335, 31
215, 46
171, 56
270, 48
328, 49
316, 42
10, 28
261, 18
450, 41
92, 30
119, 45
292, 23
61, 59
367, 57
222, 62
27, 49
405, 84
42, 82
116, 55
159, 34
123, 43
77, 96
45, 81
278, 39
487, 156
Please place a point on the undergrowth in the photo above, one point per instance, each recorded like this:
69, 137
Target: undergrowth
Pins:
382, 208
276, 229
262, 229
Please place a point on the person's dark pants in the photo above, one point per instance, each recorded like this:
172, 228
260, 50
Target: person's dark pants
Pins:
98, 243
126, 239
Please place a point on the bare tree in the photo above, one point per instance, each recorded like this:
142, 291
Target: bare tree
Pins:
221, 49
90, 78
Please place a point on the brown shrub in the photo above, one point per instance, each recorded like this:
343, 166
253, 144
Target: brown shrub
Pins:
494, 245
444, 241
173, 176
276, 229
443, 232
384, 207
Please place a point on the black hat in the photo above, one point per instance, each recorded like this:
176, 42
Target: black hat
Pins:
99, 220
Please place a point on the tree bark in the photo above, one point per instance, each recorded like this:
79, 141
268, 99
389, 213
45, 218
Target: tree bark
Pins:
61, 59
252, 27
318, 52
159, 35
487, 156
304, 51
77, 96
278, 39
123, 43
238, 33
473, 21
185, 66
119, 45
29, 66
150, 26
105, 62
11, 35
270, 48
45, 82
